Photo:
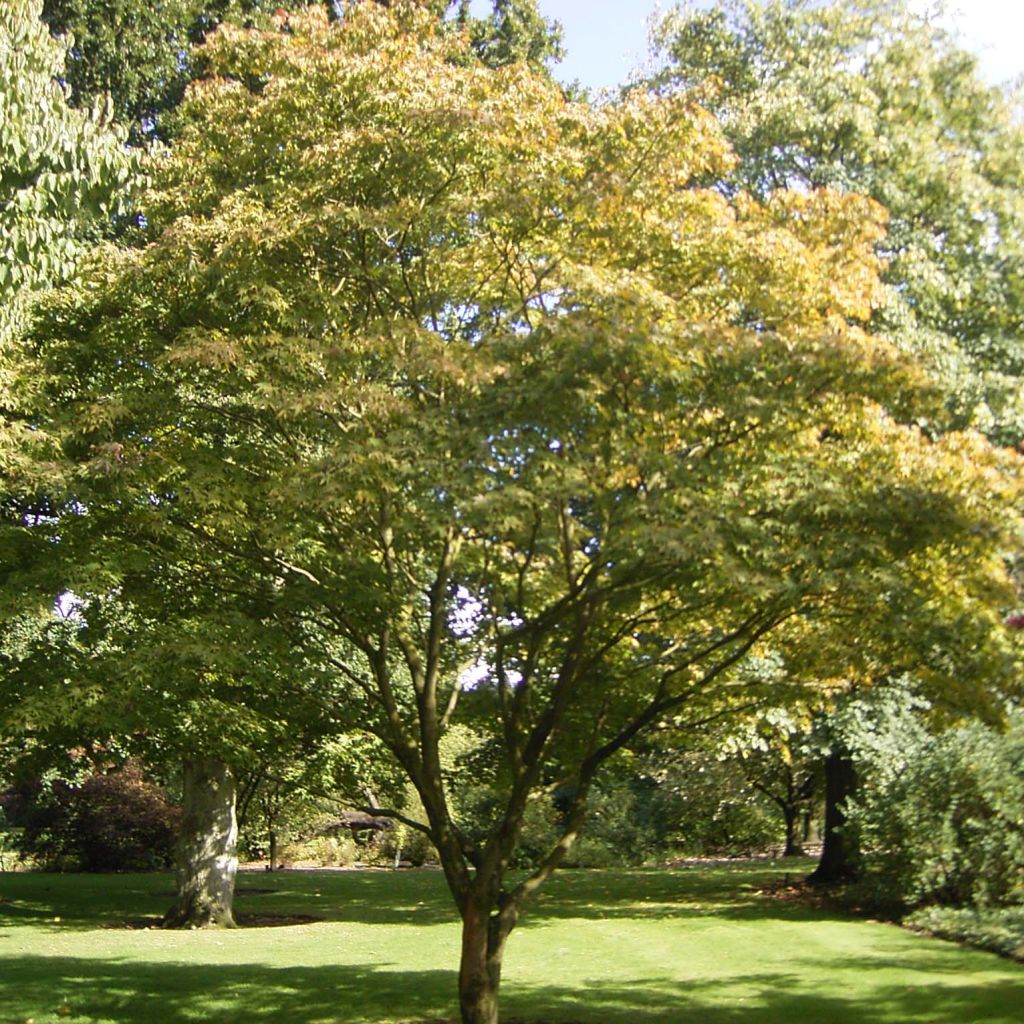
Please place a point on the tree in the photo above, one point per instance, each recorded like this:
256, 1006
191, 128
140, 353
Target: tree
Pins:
142, 54
63, 174
871, 97
151, 671
777, 756
868, 96
61, 170
481, 388
514, 31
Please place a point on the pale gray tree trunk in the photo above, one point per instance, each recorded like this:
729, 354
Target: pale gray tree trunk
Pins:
207, 859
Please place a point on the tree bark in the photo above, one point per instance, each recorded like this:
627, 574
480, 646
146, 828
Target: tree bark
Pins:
483, 945
206, 848
838, 856
792, 815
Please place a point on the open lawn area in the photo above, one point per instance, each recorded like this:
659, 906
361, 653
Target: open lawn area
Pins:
688, 946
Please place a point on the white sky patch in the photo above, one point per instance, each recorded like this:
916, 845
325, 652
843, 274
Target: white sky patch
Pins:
991, 29
68, 606
606, 39
473, 677
465, 619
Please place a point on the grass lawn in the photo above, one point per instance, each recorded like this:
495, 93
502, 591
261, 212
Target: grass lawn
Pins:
690, 946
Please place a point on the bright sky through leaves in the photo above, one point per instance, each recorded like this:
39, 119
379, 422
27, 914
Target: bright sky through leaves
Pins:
606, 39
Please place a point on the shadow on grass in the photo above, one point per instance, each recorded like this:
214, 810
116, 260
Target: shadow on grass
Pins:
180, 993
133, 992
770, 999
408, 898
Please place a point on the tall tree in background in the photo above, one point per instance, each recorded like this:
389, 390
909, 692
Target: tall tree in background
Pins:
61, 170
63, 175
867, 96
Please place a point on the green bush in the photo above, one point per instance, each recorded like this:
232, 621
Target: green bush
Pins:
1001, 931
324, 851
703, 806
941, 821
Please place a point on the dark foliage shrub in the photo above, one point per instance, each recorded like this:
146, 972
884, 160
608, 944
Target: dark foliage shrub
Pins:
111, 821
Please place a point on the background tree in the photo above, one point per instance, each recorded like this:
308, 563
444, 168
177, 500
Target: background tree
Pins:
776, 754
61, 170
458, 373
870, 97
199, 694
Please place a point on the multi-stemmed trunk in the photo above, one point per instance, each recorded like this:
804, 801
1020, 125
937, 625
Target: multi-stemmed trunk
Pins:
206, 856
484, 934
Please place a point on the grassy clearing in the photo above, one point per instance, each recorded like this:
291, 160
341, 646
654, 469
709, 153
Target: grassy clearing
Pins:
612, 947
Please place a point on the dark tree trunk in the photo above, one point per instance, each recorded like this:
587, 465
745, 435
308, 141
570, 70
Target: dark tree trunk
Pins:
808, 826
273, 850
483, 945
206, 848
838, 856
792, 815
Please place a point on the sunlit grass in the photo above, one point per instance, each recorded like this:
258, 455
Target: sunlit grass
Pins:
613, 947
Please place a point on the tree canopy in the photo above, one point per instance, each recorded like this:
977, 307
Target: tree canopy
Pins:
871, 97
493, 400
63, 175
142, 55
60, 169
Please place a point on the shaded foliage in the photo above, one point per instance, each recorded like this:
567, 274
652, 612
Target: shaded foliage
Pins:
938, 816
105, 821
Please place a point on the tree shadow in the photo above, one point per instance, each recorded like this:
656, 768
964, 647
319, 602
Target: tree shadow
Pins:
140, 992
770, 998
89, 901
182, 993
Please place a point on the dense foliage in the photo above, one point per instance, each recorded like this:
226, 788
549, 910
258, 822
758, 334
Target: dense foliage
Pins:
103, 821
870, 96
142, 55
436, 435
938, 815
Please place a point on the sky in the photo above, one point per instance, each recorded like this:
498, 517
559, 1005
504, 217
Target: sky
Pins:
605, 39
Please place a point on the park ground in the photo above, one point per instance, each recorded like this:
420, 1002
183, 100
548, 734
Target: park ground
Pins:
694, 945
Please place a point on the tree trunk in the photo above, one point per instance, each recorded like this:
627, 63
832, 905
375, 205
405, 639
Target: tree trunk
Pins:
273, 850
483, 944
808, 827
206, 848
792, 816
837, 862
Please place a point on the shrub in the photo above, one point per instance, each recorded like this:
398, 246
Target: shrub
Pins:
942, 823
112, 821
1001, 931
324, 851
